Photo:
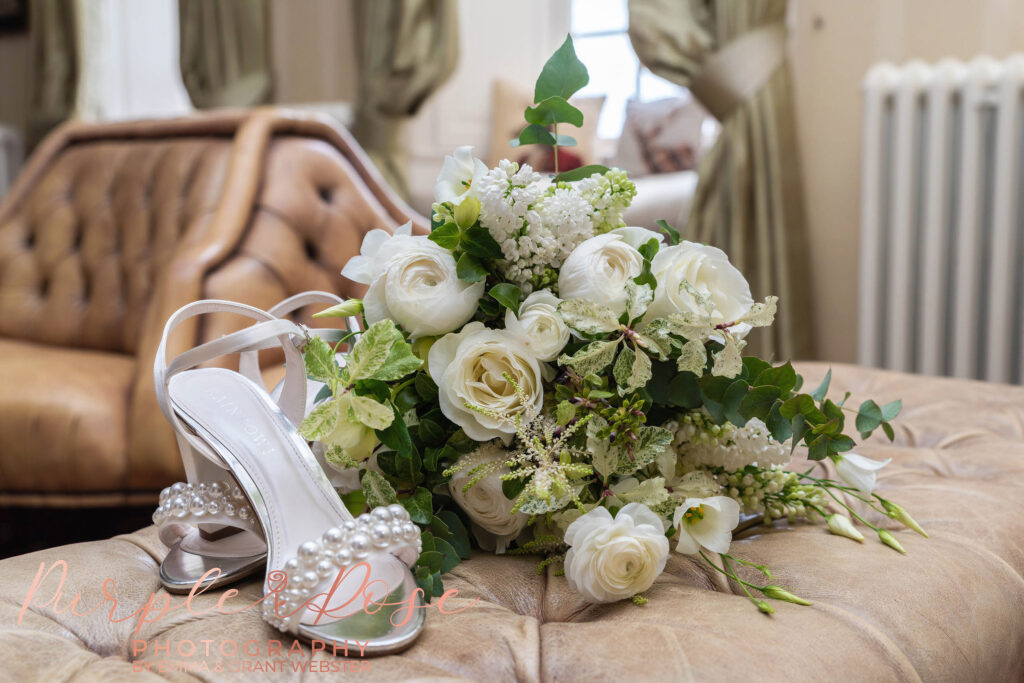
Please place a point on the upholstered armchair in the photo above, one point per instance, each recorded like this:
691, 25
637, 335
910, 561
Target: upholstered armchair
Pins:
111, 228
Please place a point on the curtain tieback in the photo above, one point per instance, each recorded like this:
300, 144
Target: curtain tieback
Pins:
734, 73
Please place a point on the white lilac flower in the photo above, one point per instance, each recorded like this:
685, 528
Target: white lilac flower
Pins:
699, 441
565, 214
612, 559
609, 195
706, 522
507, 195
859, 472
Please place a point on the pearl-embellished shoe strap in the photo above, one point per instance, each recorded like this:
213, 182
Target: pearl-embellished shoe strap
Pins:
184, 506
317, 565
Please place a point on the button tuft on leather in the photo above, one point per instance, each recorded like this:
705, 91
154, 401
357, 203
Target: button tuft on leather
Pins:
326, 193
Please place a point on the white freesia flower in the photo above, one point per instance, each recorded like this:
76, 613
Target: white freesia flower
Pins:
459, 176
598, 270
539, 326
859, 472
706, 522
637, 237
470, 367
484, 502
376, 249
416, 286
708, 271
611, 559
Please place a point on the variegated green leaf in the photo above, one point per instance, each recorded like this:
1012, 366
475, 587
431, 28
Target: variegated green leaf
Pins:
320, 422
399, 363
592, 358
659, 344
690, 326
650, 492
638, 298
337, 457
371, 413
372, 349
632, 370
693, 357
650, 443
728, 362
587, 317
319, 359
603, 459
378, 490
762, 315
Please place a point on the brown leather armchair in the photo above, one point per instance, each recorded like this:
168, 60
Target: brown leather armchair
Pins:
108, 231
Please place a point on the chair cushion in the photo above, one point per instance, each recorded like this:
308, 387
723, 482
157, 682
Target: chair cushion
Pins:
62, 414
951, 609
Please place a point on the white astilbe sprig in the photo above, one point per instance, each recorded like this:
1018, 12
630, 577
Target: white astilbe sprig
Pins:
542, 457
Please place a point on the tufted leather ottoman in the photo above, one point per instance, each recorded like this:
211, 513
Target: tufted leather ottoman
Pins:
952, 609
112, 227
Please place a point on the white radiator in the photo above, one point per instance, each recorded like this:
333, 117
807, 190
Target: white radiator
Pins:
942, 223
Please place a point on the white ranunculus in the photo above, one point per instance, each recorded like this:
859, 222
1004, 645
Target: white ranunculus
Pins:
539, 326
708, 270
706, 522
484, 502
637, 237
859, 472
458, 176
376, 249
611, 559
598, 269
413, 281
470, 367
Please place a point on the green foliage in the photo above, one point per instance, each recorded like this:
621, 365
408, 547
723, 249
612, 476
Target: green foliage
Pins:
506, 294
671, 233
581, 172
563, 74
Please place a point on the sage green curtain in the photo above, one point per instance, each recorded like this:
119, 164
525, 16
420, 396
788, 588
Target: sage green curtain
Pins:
405, 49
224, 55
53, 42
749, 198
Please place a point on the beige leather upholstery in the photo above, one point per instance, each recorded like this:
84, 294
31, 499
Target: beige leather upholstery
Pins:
952, 609
108, 231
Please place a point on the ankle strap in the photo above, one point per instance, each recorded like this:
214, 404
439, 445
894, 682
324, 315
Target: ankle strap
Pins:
267, 333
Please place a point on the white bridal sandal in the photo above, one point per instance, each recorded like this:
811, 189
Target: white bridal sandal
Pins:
205, 520
330, 577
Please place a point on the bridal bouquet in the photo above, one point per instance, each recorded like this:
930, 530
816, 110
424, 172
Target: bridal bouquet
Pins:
540, 378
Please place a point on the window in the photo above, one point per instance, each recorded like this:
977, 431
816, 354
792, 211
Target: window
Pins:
599, 32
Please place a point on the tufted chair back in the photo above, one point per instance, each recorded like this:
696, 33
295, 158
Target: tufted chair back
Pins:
113, 227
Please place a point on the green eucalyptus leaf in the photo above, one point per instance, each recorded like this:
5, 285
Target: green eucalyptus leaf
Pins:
507, 294
446, 236
891, 410
533, 135
553, 110
819, 393
580, 173
759, 402
469, 269
670, 232
563, 74
478, 241
419, 506
565, 140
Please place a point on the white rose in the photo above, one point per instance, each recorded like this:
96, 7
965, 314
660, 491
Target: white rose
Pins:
708, 270
484, 501
611, 559
637, 237
458, 176
413, 281
470, 367
539, 326
373, 253
598, 269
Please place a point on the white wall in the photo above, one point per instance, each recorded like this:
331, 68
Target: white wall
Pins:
833, 45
